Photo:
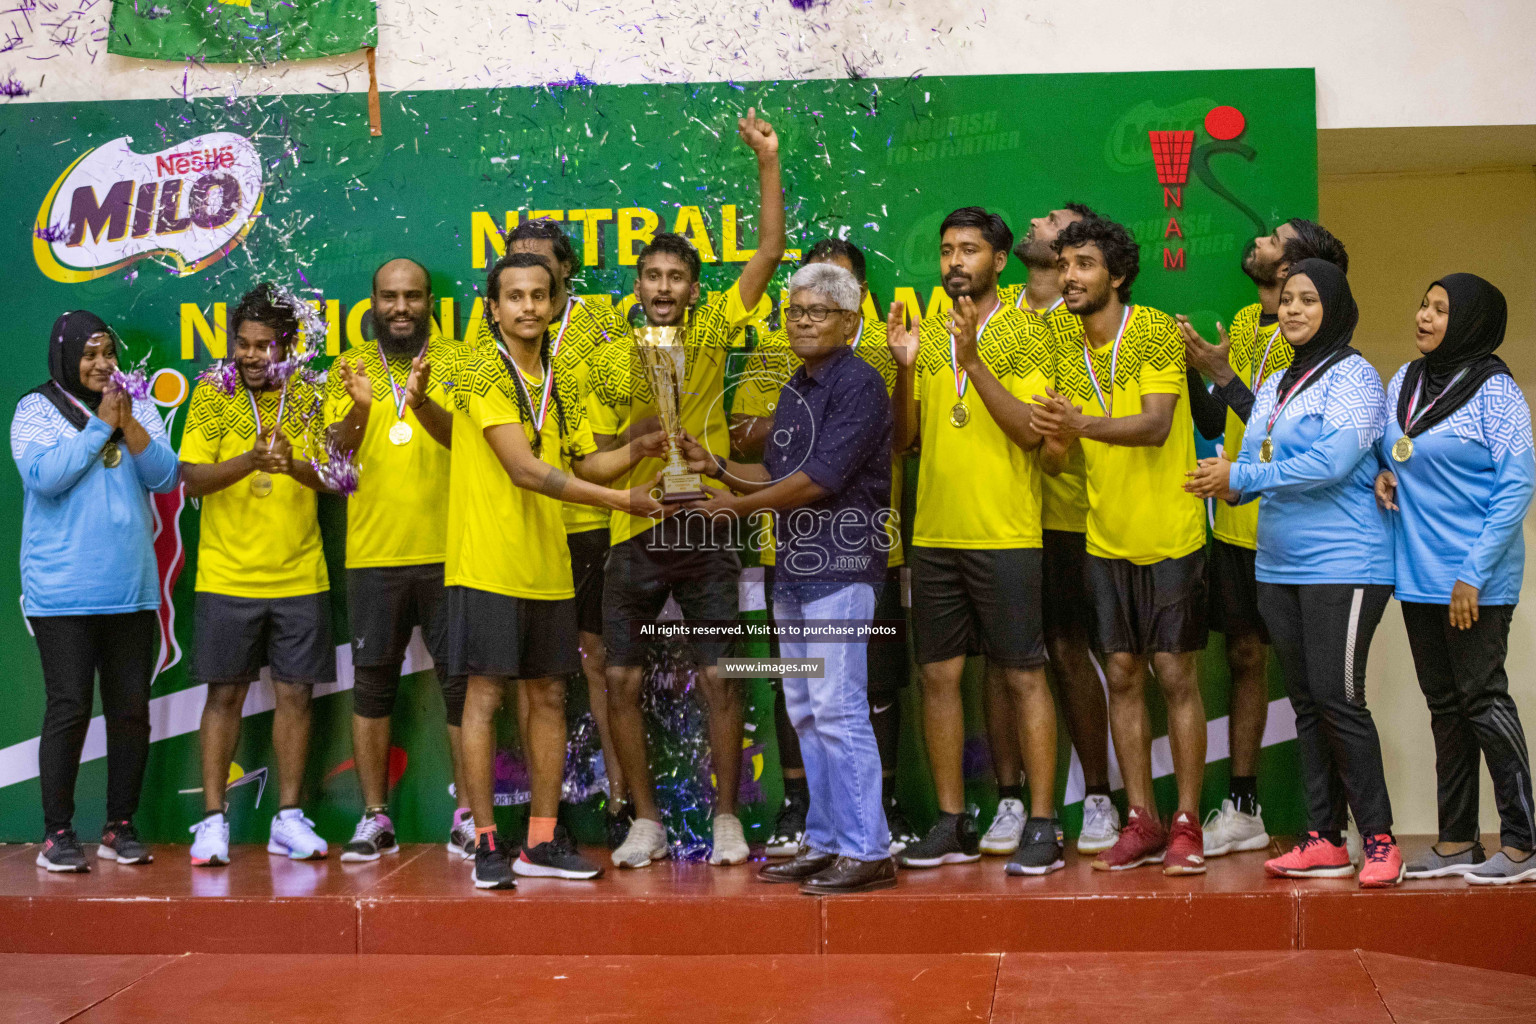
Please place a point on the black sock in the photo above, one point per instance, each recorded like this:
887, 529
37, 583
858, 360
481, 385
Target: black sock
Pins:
1334, 836
888, 789
797, 789
1015, 792
1244, 793
1098, 790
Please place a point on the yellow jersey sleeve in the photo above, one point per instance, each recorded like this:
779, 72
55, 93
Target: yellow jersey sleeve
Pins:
607, 404
205, 425
1162, 361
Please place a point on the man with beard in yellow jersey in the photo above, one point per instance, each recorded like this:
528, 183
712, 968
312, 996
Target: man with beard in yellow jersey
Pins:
385, 402
263, 595
518, 435
1121, 396
975, 557
580, 329
1068, 615
648, 563
1250, 351
752, 406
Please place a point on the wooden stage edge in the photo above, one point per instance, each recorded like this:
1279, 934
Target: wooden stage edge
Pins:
420, 901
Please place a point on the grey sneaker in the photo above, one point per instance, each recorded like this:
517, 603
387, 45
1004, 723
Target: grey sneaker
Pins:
1040, 849
1500, 870
1434, 864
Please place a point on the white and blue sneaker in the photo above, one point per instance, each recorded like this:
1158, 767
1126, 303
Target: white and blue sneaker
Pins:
210, 841
293, 836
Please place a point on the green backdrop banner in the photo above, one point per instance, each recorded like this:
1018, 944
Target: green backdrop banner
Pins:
158, 215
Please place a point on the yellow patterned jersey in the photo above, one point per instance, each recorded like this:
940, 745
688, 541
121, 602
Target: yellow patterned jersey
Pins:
1064, 497
975, 487
584, 328
621, 394
251, 545
1256, 353
1138, 509
399, 513
502, 538
769, 368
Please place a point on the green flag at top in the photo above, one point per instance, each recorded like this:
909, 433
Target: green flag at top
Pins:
236, 31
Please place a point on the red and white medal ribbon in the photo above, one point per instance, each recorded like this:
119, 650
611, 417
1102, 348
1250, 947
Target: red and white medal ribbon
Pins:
1108, 405
962, 381
1281, 403
1418, 392
1258, 380
399, 394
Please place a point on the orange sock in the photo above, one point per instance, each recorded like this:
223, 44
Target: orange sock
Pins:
540, 830
484, 831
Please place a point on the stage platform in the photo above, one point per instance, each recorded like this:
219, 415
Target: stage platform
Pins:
1011, 988
421, 901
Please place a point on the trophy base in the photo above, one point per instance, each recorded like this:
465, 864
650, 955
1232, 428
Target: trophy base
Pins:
676, 487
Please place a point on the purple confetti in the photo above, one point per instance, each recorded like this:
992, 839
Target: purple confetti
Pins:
12, 88
339, 471
225, 376
134, 382
52, 232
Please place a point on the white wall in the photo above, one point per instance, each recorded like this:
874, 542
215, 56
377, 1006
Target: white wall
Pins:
1379, 63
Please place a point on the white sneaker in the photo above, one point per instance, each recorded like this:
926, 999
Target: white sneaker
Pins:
461, 838
1101, 824
210, 841
1229, 830
647, 841
1007, 828
293, 836
730, 842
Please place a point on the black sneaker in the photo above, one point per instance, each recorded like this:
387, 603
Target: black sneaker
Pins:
902, 834
951, 840
374, 836
555, 859
493, 867
618, 825
1040, 849
61, 852
789, 829
120, 842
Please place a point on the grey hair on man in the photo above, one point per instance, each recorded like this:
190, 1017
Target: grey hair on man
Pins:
834, 284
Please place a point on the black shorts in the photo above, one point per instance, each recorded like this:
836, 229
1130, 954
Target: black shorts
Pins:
638, 579
962, 595
889, 665
1234, 590
1148, 609
1066, 610
511, 637
589, 549
385, 603
233, 637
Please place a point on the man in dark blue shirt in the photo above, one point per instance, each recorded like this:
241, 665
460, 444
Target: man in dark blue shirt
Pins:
826, 477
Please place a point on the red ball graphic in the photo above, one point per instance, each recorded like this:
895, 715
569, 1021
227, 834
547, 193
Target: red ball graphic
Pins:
1224, 123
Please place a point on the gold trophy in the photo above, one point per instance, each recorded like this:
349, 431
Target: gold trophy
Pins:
662, 358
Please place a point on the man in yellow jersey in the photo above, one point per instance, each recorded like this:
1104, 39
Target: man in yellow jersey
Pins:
579, 330
519, 433
975, 555
1251, 350
1120, 394
756, 398
263, 597
1068, 615
385, 402
647, 564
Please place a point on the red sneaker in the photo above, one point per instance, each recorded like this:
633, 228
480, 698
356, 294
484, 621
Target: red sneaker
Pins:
1141, 842
1383, 864
1186, 847
1313, 857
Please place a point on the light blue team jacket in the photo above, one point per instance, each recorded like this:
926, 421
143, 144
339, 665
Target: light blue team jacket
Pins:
87, 532
1318, 519
1462, 496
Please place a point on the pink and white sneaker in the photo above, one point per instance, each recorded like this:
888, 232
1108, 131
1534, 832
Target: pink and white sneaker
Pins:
1313, 857
1383, 865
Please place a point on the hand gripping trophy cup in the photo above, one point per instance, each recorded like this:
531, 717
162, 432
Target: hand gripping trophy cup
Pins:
661, 355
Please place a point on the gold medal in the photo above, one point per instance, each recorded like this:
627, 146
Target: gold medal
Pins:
111, 455
261, 484
959, 414
400, 433
1402, 448
1267, 451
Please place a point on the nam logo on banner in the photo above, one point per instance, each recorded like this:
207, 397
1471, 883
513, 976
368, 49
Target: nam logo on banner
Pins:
192, 204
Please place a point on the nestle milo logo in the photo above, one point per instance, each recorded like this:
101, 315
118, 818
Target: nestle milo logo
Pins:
1126, 147
191, 203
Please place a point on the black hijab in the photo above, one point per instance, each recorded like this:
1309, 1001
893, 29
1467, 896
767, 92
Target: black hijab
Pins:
1331, 342
66, 347
1475, 328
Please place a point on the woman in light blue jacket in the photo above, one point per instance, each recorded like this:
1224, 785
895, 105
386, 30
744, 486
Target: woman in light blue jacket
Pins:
89, 456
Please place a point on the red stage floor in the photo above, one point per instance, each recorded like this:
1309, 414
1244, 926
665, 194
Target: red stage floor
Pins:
1189, 988
421, 902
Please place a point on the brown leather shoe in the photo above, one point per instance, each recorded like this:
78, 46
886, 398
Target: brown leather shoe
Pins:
849, 875
805, 864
